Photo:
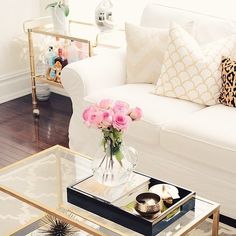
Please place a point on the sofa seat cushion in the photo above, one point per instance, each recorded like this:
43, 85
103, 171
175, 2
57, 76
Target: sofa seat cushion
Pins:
207, 136
156, 109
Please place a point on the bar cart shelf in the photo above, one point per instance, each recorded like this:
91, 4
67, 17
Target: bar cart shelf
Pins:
42, 26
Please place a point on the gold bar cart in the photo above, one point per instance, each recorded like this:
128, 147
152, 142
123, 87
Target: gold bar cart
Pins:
43, 26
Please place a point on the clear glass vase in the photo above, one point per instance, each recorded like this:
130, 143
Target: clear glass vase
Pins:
112, 166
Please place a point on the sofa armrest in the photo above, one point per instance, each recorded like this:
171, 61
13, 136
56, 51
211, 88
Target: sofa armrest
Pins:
95, 73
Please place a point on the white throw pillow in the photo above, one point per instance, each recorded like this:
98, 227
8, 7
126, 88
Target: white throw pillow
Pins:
190, 72
146, 47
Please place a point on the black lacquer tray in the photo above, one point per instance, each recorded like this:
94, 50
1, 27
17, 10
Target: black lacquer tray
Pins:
185, 203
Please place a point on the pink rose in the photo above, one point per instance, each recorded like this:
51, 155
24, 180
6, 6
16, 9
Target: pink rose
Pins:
104, 115
121, 107
107, 118
95, 119
87, 112
105, 104
121, 121
92, 116
136, 113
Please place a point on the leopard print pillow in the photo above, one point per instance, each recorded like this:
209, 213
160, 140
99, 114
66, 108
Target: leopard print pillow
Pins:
228, 89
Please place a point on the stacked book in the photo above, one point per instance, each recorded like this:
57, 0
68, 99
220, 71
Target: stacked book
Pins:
118, 195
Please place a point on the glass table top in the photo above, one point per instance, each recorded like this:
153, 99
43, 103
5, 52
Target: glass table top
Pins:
86, 33
39, 183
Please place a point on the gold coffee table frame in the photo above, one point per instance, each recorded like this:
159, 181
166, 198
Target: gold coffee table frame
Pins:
211, 210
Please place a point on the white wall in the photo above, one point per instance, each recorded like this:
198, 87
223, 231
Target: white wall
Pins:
130, 10
124, 10
14, 76
223, 8
14, 72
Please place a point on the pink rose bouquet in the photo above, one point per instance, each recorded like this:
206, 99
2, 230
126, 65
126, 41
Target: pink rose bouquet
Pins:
113, 118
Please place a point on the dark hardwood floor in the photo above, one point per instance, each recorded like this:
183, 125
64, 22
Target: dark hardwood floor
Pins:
22, 135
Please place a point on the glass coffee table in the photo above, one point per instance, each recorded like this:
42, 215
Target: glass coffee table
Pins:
36, 186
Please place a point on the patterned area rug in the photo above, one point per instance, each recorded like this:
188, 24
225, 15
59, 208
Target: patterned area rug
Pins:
205, 230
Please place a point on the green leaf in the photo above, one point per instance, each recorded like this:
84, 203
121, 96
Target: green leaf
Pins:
117, 134
105, 133
112, 137
51, 5
64, 7
103, 143
66, 10
119, 155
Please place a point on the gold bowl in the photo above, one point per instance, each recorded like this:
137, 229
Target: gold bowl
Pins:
148, 204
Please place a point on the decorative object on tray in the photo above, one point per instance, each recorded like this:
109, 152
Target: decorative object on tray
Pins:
148, 205
59, 12
164, 190
116, 162
167, 194
54, 226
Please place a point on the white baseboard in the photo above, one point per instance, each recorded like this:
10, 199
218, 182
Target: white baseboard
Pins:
18, 84
14, 85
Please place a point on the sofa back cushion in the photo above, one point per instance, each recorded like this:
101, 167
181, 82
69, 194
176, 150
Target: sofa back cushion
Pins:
207, 28
146, 47
145, 52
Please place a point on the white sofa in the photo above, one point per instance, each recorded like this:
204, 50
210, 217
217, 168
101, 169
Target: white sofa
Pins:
178, 141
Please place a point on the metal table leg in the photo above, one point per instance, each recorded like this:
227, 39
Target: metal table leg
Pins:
32, 75
215, 223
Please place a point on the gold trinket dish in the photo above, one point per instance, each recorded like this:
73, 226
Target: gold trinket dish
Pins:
148, 205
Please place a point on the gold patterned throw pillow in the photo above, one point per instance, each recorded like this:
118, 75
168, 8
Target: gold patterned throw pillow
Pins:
228, 75
190, 72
